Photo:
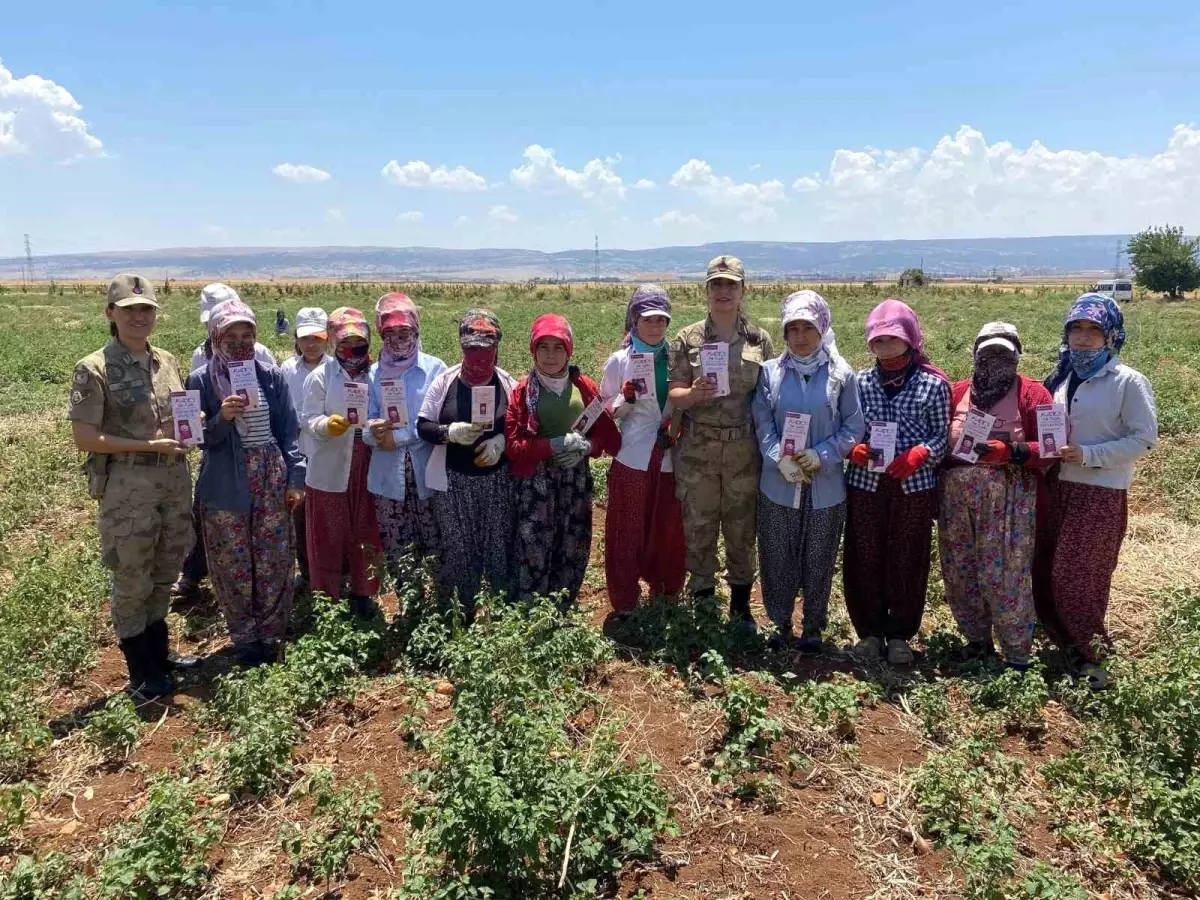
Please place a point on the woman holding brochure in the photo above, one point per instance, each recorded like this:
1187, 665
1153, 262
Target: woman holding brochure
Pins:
396, 477
251, 477
808, 417
467, 471
715, 365
1111, 423
892, 477
989, 491
643, 529
555, 423
343, 533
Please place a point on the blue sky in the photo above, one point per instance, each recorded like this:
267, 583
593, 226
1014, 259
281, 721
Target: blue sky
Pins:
136, 125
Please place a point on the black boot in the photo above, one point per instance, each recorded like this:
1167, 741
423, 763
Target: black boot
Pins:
268, 652
145, 678
363, 607
739, 606
159, 641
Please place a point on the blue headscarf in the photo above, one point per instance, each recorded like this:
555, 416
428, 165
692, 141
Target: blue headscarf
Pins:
1085, 363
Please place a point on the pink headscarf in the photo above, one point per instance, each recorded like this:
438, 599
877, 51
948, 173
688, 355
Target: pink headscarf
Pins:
396, 310
224, 315
895, 318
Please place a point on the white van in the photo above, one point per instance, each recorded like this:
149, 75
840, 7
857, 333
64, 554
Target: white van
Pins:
1120, 289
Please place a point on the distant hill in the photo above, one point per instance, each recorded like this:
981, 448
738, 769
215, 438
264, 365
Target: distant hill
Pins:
765, 260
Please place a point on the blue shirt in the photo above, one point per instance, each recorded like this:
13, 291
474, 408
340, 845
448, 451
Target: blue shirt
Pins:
385, 477
223, 482
922, 411
835, 427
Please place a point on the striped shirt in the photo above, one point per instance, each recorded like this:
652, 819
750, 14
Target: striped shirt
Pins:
257, 425
921, 409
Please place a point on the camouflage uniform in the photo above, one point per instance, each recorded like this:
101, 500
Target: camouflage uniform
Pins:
145, 516
717, 460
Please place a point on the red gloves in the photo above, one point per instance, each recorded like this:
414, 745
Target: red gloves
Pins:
997, 453
860, 455
629, 392
908, 462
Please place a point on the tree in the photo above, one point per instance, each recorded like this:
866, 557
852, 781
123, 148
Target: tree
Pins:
1164, 261
913, 278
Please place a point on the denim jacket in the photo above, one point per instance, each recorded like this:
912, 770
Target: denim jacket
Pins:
385, 477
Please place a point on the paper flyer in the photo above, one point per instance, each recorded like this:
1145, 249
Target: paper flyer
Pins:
714, 366
243, 378
189, 427
395, 402
794, 440
883, 445
976, 430
483, 406
356, 403
1052, 428
641, 373
588, 417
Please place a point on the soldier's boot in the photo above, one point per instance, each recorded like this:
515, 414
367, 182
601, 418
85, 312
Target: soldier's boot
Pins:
160, 650
703, 593
145, 678
739, 606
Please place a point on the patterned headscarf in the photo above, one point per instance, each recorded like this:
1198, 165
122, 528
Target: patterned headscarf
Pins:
223, 315
346, 322
809, 306
479, 328
1089, 308
648, 299
895, 318
396, 310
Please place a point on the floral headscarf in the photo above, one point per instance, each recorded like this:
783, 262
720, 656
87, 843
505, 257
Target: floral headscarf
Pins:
396, 310
809, 306
346, 322
224, 315
1089, 308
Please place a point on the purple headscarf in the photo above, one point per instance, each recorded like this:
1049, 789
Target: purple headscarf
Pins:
648, 299
224, 315
895, 318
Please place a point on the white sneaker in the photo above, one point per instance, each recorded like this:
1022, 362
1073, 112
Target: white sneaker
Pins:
899, 653
869, 648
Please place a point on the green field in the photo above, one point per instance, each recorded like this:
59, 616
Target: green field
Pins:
524, 759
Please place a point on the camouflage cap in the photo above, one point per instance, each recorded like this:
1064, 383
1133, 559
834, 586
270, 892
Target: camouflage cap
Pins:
727, 268
128, 289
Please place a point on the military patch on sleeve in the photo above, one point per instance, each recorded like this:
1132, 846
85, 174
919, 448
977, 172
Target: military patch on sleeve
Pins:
81, 376
76, 396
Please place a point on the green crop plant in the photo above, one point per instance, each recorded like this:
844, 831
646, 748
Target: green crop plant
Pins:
114, 729
343, 821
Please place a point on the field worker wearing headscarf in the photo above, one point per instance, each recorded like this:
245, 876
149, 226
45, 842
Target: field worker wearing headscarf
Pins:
195, 567
1112, 423
548, 451
251, 476
121, 417
343, 533
643, 525
987, 518
468, 469
889, 514
802, 502
312, 349
717, 462
396, 477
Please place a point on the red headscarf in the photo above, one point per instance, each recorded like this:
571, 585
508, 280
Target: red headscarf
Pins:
552, 325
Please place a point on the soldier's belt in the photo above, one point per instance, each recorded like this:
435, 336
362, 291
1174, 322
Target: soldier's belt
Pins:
726, 435
145, 459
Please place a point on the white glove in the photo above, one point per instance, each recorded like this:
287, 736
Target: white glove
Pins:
809, 461
571, 442
463, 433
489, 452
569, 459
624, 410
790, 470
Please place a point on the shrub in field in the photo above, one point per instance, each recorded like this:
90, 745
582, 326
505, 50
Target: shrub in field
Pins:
23, 731
161, 852
115, 728
344, 821
930, 703
51, 877
833, 705
14, 809
1015, 699
749, 729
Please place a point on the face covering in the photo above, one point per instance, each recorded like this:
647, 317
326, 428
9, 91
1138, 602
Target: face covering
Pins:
238, 350
478, 365
1087, 363
355, 360
398, 354
993, 378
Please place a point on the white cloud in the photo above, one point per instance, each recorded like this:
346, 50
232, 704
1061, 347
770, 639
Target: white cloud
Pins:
644, 184
806, 184
38, 116
966, 187
502, 214
335, 217
675, 218
419, 173
412, 215
462, 221
542, 172
753, 202
301, 174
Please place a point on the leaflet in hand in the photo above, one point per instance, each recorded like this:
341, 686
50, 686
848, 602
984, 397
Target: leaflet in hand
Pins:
883, 445
977, 428
1052, 428
243, 379
641, 373
189, 427
483, 406
588, 417
714, 366
395, 402
356, 403
795, 433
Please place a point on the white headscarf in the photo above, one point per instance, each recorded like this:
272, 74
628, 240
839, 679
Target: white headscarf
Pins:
809, 306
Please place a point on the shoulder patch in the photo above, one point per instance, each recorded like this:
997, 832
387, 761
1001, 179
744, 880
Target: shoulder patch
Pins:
81, 376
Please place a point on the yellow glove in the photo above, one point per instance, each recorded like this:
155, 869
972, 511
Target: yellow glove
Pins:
337, 426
